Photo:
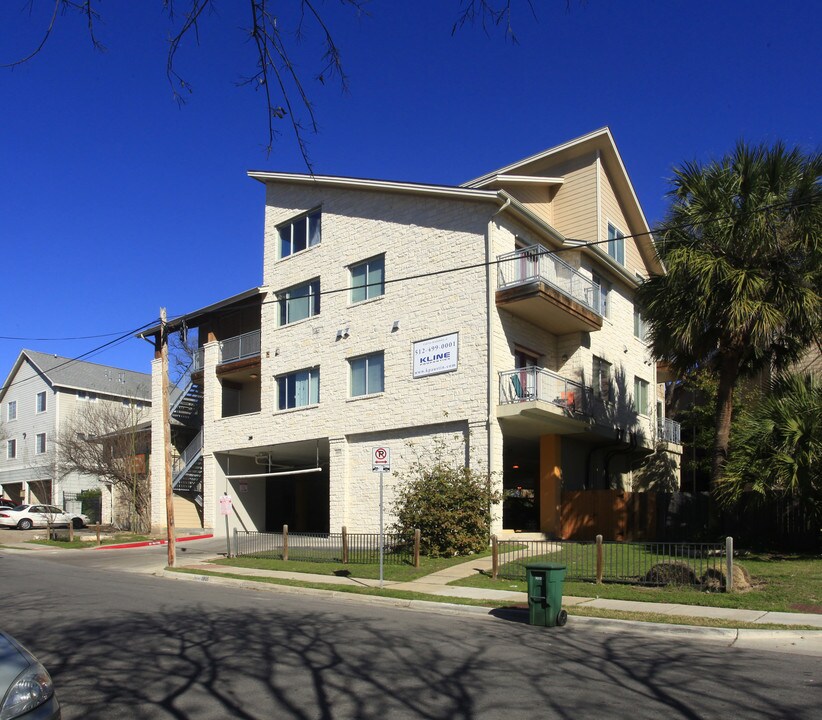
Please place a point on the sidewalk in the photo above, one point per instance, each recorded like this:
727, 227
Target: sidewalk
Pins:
437, 584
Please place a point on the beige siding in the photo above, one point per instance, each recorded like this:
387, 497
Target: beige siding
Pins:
575, 204
536, 199
612, 212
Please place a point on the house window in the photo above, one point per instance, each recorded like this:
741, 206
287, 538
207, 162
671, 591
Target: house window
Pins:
11, 410
601, 379
40, 444
300, 302
640, 328
11, 449
299, 234
41, 402
367, 374
87, 396
368, 279
602, 306
641, 395
616, 244
298, 389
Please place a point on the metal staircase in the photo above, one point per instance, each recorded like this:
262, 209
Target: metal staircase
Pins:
187, 469
187, 406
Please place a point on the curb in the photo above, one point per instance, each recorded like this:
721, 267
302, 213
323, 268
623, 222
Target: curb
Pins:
147, 543
726, 636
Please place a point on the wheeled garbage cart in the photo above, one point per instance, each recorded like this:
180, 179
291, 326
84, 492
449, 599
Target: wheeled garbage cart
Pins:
545, 594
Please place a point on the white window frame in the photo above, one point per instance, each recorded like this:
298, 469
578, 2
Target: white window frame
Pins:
616, 243
86, 396
12, 404
38, 445
41, 395
599, 382
11, 449
366, 360
640, 326
313, 396
605, 287
372, 290
303, 232
285, 297
642, 389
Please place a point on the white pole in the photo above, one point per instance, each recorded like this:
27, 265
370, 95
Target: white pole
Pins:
272, 474
382, 543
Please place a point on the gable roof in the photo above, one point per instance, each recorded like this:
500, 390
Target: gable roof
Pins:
62, 372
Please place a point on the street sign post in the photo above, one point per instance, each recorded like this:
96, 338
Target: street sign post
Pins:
381, 463
225, 510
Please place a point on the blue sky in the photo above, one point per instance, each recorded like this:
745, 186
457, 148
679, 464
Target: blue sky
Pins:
115, 201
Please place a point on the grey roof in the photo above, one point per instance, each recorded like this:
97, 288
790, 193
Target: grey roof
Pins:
81, 375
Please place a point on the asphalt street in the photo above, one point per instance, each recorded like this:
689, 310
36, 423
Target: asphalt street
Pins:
131, 645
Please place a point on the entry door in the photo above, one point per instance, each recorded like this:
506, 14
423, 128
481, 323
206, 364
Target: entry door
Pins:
529, 261
526, 363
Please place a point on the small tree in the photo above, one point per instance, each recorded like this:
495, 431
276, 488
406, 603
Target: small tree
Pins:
105, 440
449, 503
777, 446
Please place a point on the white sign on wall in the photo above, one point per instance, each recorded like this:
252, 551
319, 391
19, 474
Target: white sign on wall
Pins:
436, 355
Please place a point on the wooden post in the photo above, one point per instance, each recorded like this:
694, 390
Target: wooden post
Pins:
416, 547
494, 557
71, 530
599, 559
167, 439
729, 564
285, 542
98, 533
345, 545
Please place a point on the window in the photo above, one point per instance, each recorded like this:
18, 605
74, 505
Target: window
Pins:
367, 374
11, 449
299, 234
641, 395
300, 302
298, 389
40, 444
616, 244
41, 402
640, 328
368, 279
87, 396
604, 290
11, 410
602, 379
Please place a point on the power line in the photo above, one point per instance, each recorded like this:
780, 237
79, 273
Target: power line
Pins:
89, 353
58, 339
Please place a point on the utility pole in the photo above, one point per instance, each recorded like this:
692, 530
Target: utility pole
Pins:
167, 438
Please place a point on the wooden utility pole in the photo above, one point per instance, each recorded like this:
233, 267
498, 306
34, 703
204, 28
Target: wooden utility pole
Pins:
167, 439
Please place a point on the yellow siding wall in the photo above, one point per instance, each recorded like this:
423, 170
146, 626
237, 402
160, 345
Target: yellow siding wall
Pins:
576, 201
612, 213
536, 199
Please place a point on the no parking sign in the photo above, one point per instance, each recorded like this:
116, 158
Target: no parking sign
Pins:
381, 459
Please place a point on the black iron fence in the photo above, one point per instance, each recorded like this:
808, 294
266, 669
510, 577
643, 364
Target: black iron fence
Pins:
648, 563
341, 547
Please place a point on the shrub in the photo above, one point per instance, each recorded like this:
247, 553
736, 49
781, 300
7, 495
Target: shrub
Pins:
450, 504
671, 573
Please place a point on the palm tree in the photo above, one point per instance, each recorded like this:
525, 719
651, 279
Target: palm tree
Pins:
741, 246
777, 447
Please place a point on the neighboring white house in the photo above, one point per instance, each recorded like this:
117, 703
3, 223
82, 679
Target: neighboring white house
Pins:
39, 397
495, 318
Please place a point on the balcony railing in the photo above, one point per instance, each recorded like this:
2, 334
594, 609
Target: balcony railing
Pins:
240, 347
533, 264
198, 361
668, 431
533, 383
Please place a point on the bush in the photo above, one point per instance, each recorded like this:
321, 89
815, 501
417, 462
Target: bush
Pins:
671, 573
450, 504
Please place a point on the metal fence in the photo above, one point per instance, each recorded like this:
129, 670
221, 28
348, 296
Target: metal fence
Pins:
704, 564
239, 347
342, 547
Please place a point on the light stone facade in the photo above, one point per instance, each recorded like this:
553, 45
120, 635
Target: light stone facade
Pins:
310, 466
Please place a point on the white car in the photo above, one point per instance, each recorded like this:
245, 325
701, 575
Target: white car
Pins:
26, 517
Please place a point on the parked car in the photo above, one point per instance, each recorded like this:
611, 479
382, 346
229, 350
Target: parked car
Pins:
26, 517
26, 689
6, 503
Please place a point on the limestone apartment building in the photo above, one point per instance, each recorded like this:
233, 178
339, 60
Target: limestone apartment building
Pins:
42, 395
404, 315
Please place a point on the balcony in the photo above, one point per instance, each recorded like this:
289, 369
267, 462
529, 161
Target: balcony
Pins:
240, 347
668, 431
547, 292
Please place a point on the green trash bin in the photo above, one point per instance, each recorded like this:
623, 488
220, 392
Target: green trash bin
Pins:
545, 594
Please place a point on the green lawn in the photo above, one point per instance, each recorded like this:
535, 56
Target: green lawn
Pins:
781, 583
399, 573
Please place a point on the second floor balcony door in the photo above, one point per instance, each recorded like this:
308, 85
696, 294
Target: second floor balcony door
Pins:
526, 363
